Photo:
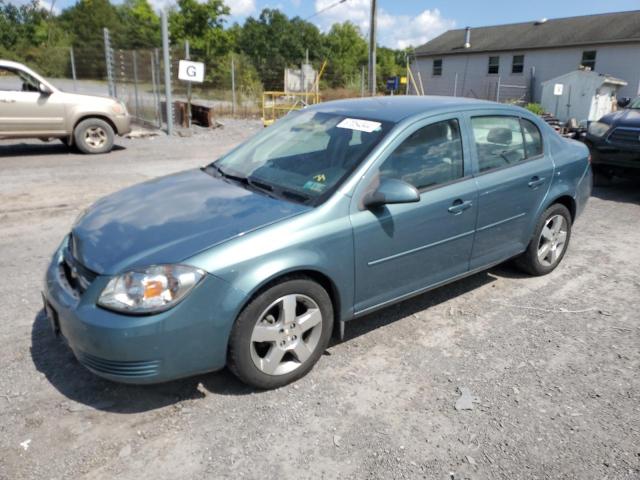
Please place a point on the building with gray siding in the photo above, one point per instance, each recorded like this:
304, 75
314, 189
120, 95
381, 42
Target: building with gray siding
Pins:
508, 62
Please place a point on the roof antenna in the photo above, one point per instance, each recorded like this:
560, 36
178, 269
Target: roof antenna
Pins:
467, 37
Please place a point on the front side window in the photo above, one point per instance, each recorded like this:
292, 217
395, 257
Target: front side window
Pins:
518, 64
494, 65
304, 156
437, 67
16, 81
432, 155
499, 141
589, 59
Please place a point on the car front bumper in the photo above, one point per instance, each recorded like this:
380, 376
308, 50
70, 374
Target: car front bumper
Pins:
606, 153
122, 124
188, 339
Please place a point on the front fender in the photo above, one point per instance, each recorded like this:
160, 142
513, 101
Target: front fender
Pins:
319, 241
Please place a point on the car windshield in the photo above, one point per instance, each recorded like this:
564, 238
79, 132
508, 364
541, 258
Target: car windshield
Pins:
304, 156
635, 103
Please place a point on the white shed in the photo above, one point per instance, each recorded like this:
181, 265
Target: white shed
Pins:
581, 94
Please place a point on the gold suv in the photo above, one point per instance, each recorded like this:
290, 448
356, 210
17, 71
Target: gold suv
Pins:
30, 107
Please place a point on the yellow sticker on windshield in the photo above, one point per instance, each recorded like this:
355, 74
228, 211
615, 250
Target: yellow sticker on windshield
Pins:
320, 178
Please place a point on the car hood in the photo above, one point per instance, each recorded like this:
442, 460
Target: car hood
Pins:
169, 219
623, 118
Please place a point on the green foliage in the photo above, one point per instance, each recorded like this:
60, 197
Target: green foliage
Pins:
535, 108
262, 47
348, 52
274, 42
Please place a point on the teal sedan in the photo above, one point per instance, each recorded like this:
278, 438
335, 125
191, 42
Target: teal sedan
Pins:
332, 213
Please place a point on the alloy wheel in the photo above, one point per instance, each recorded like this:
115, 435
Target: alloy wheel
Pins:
553, 240
286, 334
95, 137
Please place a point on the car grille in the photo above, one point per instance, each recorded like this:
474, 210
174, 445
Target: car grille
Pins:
137, 369
77, 275
625, 136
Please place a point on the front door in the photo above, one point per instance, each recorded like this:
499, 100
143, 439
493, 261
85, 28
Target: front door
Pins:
513, 174
404, 248
24, 110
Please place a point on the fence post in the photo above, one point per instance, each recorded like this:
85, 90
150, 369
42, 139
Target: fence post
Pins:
108, 57
233, 86
73, 69
498, 91
134, 55
532, 85
362, 82
188, 57
455, 86
154, 87
167, 72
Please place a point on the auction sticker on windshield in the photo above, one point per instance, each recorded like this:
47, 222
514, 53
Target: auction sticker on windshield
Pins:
361, 125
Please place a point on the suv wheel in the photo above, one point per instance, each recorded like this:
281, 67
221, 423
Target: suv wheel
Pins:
93, 136
281, 334
549, 243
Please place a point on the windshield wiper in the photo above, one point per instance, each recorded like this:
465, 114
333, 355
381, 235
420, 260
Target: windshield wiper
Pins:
245, 181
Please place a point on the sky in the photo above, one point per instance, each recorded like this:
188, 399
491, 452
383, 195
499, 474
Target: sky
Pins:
403, 23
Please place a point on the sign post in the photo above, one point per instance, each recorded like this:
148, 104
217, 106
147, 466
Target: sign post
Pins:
190, 72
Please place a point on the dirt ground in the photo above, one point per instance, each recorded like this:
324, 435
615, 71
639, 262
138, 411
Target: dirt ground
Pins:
553, 363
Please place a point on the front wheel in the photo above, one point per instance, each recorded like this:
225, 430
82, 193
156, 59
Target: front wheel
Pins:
281, 334
93, 136
549, 242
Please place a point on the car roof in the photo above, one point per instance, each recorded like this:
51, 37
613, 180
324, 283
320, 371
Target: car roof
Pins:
395, 109
10, 64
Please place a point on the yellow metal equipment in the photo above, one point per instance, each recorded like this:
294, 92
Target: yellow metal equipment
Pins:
276, 105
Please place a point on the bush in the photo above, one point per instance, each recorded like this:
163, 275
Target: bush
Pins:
535, 108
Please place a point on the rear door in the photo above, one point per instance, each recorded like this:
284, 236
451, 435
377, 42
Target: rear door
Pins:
513, 173
24, 110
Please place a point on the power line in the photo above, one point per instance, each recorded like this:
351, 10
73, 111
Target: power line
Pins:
325, 9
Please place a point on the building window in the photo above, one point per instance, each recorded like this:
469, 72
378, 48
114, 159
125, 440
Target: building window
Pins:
517, 66
494, 65
437, 67
589, 59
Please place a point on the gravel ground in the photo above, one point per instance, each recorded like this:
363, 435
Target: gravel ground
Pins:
549, 366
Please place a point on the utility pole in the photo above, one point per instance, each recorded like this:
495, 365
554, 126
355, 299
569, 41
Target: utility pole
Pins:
372, 49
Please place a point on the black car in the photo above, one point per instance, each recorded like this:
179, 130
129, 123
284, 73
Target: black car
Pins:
614, 141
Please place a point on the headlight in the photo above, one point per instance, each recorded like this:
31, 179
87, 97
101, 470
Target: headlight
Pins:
149, 290
598, 129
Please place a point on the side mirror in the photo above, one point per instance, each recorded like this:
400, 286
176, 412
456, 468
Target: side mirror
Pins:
391, 190
623, 102
44, 89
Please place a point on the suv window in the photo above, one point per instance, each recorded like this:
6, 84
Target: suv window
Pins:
431, 155
532, 138
499, 141
16, 81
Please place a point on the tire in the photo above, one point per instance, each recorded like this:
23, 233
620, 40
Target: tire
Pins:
549, 242
93, 136
272, 343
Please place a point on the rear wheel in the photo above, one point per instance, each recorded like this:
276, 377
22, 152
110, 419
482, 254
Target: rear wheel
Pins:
281, 334
549, 242
93, 135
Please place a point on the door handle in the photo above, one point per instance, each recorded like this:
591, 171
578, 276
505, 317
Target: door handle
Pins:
535, 181
459, 206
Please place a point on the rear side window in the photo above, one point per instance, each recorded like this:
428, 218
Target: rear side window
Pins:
432, 155
532, 138
499, 141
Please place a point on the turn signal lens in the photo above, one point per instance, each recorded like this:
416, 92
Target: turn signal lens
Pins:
149, 290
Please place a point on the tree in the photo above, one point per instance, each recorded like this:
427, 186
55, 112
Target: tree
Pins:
273, 42
140, 24
347, 50
203, 25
